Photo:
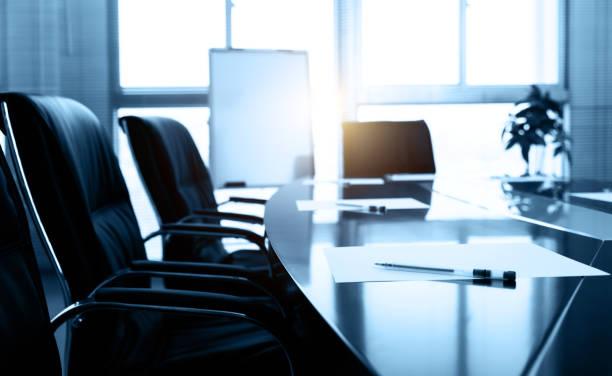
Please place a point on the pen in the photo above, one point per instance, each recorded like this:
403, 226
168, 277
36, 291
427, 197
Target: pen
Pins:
507, 275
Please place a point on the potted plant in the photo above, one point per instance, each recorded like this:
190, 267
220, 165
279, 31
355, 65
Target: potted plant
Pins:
537, 122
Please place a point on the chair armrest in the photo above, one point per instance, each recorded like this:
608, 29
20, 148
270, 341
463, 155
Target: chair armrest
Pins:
193, 267
247, 200
88, 305
181, 302
224, 284
211, 213
256, 308
258, 276
212, 230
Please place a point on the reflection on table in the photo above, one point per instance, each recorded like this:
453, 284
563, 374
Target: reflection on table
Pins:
588, 193
531, 205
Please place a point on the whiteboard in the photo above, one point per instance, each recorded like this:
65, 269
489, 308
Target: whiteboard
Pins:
260, 124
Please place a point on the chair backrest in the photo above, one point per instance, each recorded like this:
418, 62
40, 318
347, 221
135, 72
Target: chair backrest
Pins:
27, 344
373, 149
170, 166
176, 179
77, 186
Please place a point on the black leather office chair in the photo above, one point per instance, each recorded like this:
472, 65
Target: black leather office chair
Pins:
118, 331
77, 185
378, 148
26, 337
180, 187
84, 207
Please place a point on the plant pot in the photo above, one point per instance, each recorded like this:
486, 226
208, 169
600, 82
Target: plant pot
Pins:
537, 161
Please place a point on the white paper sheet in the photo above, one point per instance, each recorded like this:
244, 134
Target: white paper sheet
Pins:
356, 264
354, 181
358, 204
599, 196
410, 177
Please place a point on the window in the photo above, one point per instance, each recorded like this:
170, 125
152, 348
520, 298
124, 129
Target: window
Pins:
165, 43
500, 53
451, 51
409, 42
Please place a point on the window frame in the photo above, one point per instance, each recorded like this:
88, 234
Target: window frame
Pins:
133, 97
348, 27
349, 31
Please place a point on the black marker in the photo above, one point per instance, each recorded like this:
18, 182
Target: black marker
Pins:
370, 208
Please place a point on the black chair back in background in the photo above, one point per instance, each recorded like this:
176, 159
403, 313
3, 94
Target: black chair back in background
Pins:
180, 188
378, 148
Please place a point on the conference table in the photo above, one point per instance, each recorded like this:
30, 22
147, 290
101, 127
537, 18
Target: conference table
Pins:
549, 325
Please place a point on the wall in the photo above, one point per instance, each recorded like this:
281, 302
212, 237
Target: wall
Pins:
590, 86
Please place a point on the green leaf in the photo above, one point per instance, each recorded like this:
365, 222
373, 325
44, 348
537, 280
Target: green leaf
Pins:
561, 149
534, 95
511, 143
535, 139
554, 106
